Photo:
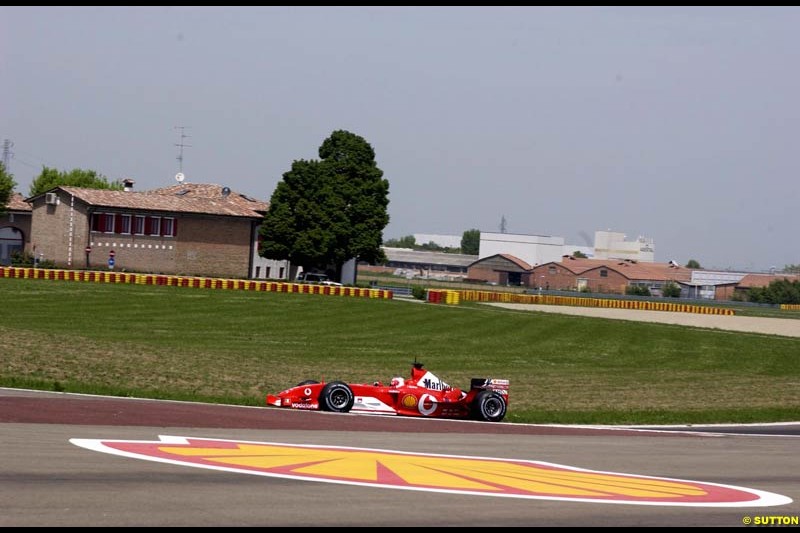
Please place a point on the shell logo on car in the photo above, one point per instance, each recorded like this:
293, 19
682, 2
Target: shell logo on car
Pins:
409, 401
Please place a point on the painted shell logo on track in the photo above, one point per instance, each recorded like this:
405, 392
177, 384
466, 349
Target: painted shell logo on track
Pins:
409, 401
438, 473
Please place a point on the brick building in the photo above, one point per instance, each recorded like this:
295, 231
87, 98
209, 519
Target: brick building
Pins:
186, 229
499, 269
15, 228
611, 276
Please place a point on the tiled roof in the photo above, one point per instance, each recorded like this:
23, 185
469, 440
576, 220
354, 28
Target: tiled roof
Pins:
763, 280
499, 262
517, 261
634, 270
18, 203
198, 198
204, 190
212, 191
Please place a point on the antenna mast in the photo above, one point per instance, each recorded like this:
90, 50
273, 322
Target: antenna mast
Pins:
181, 145
7, 153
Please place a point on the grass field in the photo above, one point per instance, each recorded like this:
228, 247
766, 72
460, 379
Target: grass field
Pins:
235, 346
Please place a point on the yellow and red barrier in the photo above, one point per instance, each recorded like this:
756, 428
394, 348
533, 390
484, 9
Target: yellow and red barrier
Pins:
443, 296
578, 301
190, 281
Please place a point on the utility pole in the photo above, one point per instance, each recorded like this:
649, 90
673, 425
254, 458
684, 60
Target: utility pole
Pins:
503, 224
181, 145
7, 153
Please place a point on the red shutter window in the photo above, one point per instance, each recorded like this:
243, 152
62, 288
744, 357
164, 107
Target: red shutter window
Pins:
117, 223
108, 223
174, 227
125, 224
155, 226
96, 221
139, 225
167, 227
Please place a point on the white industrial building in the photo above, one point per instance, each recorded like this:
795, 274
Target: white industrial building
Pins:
445, 241
533, 249
612, 245
540, 249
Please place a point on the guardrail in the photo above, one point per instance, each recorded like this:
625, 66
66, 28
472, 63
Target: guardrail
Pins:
396, 291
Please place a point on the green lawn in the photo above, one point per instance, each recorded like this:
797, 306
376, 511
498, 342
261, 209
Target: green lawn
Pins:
235, 346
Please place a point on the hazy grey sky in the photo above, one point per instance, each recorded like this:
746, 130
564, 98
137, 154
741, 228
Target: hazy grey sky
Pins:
680, 124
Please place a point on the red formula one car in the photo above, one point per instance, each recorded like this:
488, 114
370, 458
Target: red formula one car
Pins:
424, 394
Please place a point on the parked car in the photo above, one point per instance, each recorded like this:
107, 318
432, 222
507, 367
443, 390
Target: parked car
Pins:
312, 277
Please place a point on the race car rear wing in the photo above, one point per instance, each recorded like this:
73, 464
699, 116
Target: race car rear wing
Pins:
489, 383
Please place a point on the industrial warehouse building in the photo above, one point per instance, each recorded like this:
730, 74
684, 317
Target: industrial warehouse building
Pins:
209, 230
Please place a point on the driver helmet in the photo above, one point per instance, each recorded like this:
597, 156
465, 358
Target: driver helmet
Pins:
398, 382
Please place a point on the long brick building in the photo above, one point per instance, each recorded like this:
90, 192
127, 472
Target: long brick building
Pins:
197, 229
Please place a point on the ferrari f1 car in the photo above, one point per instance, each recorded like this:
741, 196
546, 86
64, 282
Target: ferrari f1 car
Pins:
423, 394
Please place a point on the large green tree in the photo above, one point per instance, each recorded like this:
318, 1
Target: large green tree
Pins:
780, 291
7, 185
324, 213
297, 226
50, 178
471, 242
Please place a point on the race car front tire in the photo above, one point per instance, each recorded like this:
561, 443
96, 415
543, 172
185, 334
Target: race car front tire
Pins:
337, 397
489, 406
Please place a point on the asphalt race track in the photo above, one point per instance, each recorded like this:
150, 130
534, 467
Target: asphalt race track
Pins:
56, 469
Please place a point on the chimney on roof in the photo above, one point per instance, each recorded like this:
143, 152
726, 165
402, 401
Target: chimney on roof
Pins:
127, 184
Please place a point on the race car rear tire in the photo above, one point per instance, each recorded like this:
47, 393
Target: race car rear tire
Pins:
337, 397
489, 406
